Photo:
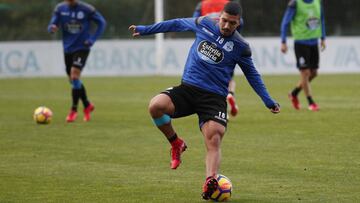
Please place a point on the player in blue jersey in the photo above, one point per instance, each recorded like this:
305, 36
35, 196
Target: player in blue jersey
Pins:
307, 21
74, 18
212, 9
217, 49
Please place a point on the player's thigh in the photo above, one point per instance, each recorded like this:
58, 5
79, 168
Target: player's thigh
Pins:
68, 63
79, 59
314, 57
161, 103
182, 97
211, 107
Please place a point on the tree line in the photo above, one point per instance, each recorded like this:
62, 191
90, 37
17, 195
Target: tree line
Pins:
27, 20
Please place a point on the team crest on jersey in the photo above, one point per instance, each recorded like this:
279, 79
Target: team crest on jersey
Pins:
229, 46
209, 52
80, 15
313, 23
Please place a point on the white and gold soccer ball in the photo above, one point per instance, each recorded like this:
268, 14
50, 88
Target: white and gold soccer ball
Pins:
224, 190
42, 115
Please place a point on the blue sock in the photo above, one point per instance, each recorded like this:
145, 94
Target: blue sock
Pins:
76, 93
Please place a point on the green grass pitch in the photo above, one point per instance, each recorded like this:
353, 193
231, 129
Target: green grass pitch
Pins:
296, 156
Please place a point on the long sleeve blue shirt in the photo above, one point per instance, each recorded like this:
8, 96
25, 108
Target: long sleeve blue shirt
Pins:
289, 16
75, 23
213, 57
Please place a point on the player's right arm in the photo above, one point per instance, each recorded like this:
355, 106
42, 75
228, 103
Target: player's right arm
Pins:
175, 25
288, 17
54, 22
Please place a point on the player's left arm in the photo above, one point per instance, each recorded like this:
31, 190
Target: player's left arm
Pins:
175, 25
101, 25
254, 78
323, 34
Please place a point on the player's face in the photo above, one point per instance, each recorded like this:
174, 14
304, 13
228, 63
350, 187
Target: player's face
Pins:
228, 23
71, 2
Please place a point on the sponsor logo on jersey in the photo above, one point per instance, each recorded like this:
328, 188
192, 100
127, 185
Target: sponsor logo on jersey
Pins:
209, 52
74, 27
229, 46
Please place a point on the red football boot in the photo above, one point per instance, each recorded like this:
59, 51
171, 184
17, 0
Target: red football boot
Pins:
210, 186
295, 101
314, 107
87, 112
233, 107
177, 148
72, 116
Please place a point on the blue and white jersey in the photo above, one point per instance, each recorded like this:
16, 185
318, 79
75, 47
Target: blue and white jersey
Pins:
213, 57
75, 23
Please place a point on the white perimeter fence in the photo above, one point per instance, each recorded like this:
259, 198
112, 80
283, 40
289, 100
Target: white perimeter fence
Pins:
138, 57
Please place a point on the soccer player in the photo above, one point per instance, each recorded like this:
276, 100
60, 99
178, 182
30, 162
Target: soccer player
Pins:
74, 18
217, 49
307, 26
212, 9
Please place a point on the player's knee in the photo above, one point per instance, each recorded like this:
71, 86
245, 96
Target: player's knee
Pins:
156, 107
306, 74
159, 105
74, 77
314, 74
213, 141
75, 73
214, 136
220, 132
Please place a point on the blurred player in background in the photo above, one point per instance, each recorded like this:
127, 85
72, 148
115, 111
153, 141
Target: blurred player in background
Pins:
74, 18
212, 9
307, 26
217, 49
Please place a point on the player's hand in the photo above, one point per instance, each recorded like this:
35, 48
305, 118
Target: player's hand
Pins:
132, 28
323, 45
89, 43
53, 28
275, 109
284, 48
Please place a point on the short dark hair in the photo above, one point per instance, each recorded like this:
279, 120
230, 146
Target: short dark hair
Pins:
233, 8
